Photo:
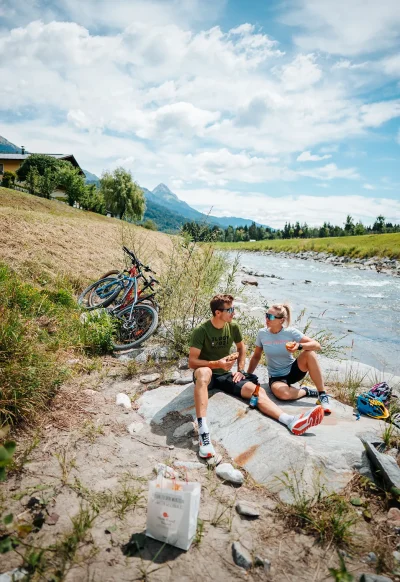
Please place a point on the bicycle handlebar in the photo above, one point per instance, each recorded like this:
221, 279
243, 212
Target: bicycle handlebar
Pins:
136, 261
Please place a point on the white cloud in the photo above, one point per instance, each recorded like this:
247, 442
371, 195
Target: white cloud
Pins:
309, 157
301, 73
329, 172
343, 27
368, 187
346, 64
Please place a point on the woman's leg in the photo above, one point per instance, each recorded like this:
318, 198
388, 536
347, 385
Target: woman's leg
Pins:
308, 362
284, 392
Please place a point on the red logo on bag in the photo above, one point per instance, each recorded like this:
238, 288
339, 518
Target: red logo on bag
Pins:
165, 514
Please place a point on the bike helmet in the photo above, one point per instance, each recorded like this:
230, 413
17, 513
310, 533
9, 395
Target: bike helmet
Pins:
370, 406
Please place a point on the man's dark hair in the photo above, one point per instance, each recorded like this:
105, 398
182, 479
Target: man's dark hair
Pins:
218, 302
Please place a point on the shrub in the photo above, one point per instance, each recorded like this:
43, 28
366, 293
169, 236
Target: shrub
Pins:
9, 179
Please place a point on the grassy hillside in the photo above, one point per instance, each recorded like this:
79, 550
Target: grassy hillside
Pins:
380, 245
40, 237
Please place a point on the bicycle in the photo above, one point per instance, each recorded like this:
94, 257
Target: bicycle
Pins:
135, 311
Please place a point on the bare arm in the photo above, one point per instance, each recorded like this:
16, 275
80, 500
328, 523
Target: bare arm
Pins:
255, 358
241, 348
195, 362
308, 344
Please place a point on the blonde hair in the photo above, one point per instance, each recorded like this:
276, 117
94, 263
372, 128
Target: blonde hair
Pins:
283, 310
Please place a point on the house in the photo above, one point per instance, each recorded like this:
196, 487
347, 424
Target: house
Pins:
11, 162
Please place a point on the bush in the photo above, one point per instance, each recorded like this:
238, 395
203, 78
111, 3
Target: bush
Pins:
9, 179
38, 327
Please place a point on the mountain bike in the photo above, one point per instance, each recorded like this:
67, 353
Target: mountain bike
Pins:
134, 308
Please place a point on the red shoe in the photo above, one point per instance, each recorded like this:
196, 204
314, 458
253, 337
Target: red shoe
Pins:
304, 421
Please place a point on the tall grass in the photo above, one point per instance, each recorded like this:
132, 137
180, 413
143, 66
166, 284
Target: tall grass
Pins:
39, 329
363, 246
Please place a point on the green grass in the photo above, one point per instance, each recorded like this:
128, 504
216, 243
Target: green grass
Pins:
369, 245
40, 329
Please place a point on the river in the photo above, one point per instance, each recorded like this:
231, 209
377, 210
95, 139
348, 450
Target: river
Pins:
363, 305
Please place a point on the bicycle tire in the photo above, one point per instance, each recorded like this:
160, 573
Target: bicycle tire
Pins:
87, 298
142, 315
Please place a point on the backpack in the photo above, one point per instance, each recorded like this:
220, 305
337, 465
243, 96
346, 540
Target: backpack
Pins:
381, 391
369, 405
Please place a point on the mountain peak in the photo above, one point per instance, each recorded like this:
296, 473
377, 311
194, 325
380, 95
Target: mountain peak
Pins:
162, 188
162, 191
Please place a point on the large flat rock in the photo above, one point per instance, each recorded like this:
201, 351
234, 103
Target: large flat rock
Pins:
327, 454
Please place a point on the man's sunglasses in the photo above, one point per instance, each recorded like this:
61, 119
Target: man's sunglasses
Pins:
271, 317
228, 309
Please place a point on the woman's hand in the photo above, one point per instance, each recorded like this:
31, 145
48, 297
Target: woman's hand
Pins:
292, 347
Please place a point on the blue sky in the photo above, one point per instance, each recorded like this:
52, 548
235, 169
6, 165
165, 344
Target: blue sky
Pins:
275, 110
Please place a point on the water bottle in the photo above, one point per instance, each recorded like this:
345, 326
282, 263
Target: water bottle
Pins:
254, 397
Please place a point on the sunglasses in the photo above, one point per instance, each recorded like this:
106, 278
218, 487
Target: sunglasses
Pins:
271, 317
228, 309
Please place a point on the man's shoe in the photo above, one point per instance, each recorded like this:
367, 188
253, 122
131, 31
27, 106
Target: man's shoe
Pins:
304, 421
206, 449
310, 392
323, 401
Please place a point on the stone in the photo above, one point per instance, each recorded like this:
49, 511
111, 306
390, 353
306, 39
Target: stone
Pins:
392, 453
374, 578
385, 465
52, 519
241, 556
393, 514
13, 575
371, 557
188, 465
396, 556
183, 364
171, 377
247, 509
331, 451
149, 378
131, 355
123, 400
250, 281
263, 562
228, 473
135, 427
184, 380
184, 431
159, 353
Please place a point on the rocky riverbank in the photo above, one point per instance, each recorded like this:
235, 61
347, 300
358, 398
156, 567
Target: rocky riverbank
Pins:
380, 264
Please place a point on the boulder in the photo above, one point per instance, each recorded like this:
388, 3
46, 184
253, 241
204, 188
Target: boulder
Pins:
264, 447
250, 281
228, 473
149, 378
386, 467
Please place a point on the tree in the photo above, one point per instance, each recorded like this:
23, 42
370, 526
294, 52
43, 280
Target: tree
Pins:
48, 182
73, 183
8, 179
349, 225
32, 180
41, 162
379, 224
122, 195
253, 231
92, 199
359, 228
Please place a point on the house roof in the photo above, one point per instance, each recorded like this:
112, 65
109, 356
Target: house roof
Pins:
67, 157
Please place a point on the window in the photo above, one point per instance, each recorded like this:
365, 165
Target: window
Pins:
1, 168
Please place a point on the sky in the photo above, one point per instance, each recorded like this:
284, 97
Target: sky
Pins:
274, 110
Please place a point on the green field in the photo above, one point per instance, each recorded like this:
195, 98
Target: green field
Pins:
369, 245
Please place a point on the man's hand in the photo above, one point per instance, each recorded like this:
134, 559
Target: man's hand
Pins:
237, 376
225, 365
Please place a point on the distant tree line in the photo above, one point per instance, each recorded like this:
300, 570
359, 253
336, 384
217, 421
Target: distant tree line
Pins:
204, 232
118, 195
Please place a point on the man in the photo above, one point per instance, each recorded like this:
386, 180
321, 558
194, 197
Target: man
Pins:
210, 346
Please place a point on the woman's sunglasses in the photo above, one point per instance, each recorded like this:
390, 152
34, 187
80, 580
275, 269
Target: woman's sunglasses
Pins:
271, 317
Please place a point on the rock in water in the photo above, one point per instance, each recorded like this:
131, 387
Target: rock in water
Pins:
228, 473
241, 556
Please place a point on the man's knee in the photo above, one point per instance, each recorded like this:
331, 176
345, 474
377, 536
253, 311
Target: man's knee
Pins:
280, 392
202, 377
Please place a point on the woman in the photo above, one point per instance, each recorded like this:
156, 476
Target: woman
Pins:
280, 342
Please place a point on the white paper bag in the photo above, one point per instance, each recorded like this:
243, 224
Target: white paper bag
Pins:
172, 511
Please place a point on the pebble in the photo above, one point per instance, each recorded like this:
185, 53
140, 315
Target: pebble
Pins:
185, 430
374, 578
393, 514
247, 509
263, 562
135, 427
396, 556
13, 575
228, 473
123, 400
149, 378
188, 465
371, 557
241, 556
182, 380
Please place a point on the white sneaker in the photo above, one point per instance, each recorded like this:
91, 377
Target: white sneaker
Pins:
323, 400
206, 449
304, 421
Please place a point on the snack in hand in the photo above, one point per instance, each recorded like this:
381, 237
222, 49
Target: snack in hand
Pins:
290, 345
232, 357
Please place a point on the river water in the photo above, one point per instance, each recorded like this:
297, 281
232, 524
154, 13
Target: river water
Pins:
363, 305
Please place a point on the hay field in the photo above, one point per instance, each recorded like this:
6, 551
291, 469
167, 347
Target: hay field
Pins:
40, 237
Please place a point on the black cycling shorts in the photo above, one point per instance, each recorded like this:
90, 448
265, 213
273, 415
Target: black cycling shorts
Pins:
295, 375
225, 383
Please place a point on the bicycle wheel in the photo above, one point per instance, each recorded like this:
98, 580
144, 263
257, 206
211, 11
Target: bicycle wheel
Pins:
134, 325
100, 294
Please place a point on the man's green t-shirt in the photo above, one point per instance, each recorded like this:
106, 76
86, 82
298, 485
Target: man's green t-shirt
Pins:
215, 343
